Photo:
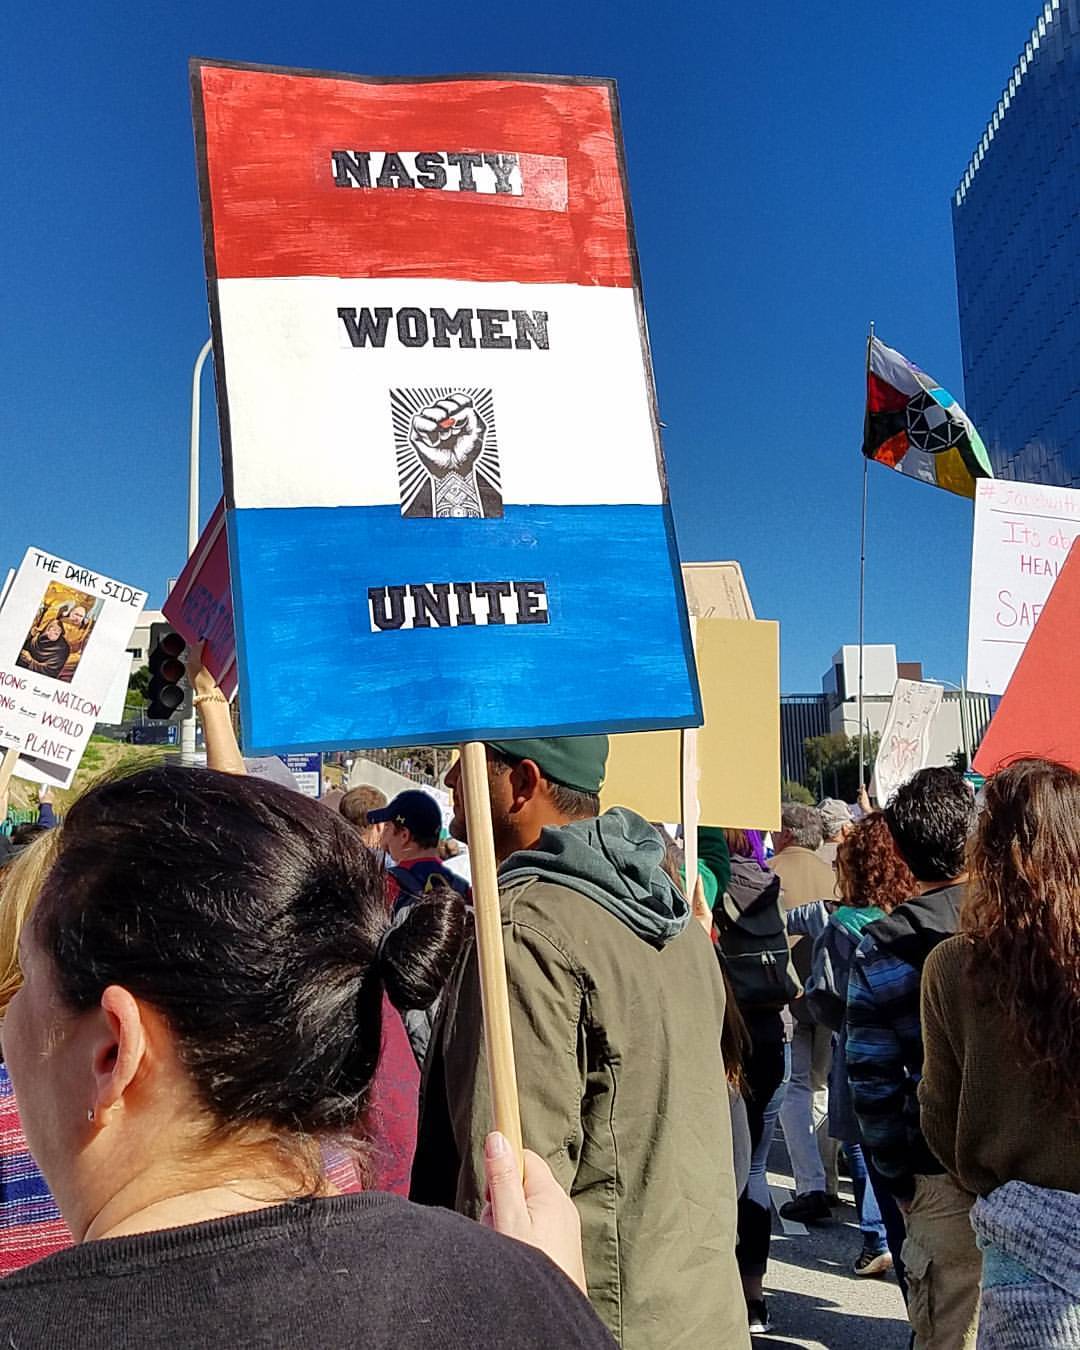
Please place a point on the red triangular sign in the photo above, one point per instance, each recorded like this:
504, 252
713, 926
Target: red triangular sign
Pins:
1039, 714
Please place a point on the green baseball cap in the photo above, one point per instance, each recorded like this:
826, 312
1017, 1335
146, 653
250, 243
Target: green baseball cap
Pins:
576, 762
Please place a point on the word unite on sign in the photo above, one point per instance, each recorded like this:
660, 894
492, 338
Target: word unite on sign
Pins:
457, 604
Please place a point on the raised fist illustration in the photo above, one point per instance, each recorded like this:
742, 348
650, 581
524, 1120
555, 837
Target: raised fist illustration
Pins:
448, 436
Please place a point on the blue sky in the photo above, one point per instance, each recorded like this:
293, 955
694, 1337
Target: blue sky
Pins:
791, 168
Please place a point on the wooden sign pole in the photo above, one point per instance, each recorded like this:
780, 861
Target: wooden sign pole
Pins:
502, 1075
7, 768
690, 809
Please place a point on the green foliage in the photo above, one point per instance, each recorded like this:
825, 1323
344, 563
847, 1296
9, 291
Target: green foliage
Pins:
137, 687
791, 791
832, 764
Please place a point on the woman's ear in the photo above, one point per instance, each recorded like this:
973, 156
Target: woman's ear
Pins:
120, 1048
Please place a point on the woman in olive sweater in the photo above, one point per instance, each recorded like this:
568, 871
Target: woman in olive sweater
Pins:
1000, 1092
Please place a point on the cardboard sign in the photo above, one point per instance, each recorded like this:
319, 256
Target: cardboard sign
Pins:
905, 740
64, 631
307, 773
1023, 533
447, 507
1039, 717
716, 590
738, 747
200, 602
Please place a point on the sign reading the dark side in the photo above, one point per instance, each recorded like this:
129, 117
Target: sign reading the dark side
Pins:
447, 507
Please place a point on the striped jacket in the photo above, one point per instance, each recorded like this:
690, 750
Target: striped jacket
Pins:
884, 1033
30, 1223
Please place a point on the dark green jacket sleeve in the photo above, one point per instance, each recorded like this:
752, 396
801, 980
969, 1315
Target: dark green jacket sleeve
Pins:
546, 1000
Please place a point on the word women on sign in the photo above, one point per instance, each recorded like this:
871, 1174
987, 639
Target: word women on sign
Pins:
435, 170
464, 328
457, 604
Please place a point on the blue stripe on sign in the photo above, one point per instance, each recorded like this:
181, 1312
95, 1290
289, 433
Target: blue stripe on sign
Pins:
614, 655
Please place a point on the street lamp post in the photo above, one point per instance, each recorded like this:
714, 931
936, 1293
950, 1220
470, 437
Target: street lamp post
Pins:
187, 727
965, 730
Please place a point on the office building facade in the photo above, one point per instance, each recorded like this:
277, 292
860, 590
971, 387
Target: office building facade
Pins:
963, 718
1016, 230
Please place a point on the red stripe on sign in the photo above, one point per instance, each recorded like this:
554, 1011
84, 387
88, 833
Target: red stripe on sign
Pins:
279, 209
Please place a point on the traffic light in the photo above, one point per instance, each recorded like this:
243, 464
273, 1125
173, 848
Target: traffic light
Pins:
168, 694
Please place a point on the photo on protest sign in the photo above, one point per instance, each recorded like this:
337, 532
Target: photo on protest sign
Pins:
64, 634
446, 499
58, 634
447, 452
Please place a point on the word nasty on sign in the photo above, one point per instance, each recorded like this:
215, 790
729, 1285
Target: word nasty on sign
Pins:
435, 170
447, 453
457, 604
370, 327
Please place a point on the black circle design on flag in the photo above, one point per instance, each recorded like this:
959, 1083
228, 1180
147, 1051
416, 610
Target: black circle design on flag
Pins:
929, 426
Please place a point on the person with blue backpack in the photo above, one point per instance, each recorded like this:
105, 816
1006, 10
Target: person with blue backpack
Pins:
872, 879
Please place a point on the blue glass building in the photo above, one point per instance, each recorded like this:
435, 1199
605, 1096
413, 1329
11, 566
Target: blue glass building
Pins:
1016, 229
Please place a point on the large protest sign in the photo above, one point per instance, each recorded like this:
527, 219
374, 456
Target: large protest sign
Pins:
905, 739
200, 603
447, 506
1023, 533
738, 747
1039, 717
64, 631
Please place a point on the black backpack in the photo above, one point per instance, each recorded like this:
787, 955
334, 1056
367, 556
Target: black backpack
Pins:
753, 948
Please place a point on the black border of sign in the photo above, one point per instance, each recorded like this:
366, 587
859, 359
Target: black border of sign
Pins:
197, 64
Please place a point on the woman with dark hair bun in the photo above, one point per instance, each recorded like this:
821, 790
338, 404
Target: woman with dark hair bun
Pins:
203, 982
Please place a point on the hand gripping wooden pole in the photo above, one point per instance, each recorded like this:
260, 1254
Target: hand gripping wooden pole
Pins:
498, 1038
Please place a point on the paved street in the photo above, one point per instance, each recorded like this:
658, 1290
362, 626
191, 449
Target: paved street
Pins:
815, 1302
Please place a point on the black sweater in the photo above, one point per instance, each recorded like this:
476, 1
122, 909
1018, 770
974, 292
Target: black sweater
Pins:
368, 1271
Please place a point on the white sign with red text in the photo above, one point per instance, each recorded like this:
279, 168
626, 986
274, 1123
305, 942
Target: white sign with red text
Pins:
1023, 533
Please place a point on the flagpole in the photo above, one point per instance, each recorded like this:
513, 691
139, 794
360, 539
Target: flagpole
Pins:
862, 582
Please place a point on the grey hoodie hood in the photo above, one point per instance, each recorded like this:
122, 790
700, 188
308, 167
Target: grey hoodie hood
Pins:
614, 859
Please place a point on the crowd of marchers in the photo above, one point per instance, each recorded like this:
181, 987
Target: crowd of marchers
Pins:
244, 1097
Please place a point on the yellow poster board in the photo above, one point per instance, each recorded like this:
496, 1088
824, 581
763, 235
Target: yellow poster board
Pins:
738, 663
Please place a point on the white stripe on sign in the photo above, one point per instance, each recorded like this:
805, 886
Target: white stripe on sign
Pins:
326, 375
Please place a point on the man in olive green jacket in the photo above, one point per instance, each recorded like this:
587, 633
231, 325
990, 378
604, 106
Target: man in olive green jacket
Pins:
617, 1004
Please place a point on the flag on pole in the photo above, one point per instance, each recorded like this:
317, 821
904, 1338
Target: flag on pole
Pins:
918, 428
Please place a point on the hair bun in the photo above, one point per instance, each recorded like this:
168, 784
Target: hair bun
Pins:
418, 948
